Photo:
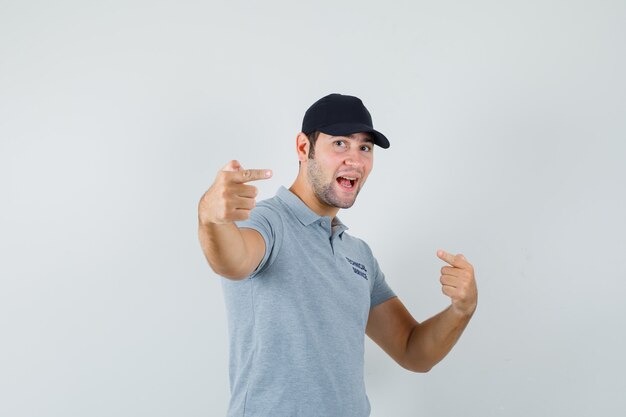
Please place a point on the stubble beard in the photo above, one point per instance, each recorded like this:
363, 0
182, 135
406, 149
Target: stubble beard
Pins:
325, 192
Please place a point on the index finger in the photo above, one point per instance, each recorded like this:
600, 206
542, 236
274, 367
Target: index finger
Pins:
246, 175
454, 260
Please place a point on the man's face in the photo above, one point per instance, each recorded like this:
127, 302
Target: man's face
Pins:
340, 167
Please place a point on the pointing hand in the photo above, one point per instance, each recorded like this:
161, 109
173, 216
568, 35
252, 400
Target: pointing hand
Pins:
458, 283
230, 198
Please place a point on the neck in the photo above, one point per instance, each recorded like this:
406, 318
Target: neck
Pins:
303, 190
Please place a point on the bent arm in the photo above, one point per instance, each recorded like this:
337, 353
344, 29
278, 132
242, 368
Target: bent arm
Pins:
429, 342
420, 346
231, 252
414, 346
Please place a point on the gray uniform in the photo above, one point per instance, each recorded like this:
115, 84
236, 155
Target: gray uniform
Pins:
297, 324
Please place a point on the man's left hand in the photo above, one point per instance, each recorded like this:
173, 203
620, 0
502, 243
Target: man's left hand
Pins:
458, 283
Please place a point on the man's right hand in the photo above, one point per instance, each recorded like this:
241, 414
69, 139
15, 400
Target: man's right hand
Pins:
230, 198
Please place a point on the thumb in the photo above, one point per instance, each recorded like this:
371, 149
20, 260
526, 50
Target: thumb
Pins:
232, 166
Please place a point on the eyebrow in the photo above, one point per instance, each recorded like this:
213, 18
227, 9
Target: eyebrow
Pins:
367, 139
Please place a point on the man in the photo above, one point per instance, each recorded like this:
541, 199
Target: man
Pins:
301, 292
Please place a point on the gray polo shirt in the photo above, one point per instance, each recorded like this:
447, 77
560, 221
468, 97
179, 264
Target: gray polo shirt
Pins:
297, 324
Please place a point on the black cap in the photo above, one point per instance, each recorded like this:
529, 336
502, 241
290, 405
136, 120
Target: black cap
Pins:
341, 115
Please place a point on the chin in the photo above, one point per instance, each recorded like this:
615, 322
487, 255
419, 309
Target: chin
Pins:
344, 204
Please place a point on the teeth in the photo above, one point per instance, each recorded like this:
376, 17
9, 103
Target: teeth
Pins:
349, 178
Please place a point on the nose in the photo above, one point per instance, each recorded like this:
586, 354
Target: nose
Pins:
351, 161
354, 159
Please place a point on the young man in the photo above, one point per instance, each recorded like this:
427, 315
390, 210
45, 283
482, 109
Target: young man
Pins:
301, 292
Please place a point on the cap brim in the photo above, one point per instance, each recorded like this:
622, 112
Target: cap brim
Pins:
343, 129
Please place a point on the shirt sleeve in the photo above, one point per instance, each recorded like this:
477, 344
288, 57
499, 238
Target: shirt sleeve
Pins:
381, 290
268, 223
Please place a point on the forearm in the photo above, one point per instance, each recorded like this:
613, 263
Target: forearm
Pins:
231, 252
225, 249
433, 339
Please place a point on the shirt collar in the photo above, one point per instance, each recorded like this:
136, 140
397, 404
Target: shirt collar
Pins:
303, 213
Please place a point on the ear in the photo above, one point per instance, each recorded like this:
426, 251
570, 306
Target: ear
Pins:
302, 147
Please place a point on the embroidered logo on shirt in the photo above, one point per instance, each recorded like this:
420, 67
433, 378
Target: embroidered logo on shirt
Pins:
358, 268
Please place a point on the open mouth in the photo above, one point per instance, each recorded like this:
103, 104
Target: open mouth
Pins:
347, 183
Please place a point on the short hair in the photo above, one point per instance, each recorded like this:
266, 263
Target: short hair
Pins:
312, 139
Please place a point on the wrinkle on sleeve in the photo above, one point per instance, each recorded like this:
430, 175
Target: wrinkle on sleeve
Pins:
265, 220
381, 290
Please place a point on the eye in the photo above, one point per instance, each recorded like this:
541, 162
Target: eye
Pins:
366, 148
340, 143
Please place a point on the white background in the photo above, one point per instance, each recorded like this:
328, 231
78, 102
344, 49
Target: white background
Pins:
507, 127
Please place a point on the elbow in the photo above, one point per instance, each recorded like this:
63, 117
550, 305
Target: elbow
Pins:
418, 368
422, 369
416, 361
232, 274
234, 277
419, 365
